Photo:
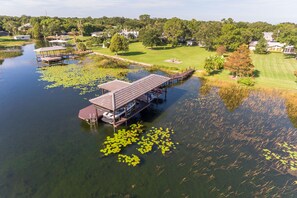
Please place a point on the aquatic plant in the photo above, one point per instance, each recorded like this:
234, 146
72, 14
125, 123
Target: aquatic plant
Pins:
157, 137
121, 139
133, 160
83, 78
285, 156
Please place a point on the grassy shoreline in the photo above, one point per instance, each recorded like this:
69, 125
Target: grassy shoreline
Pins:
275, 71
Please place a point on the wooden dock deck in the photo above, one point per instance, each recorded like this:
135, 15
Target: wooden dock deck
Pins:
181, 76
90, 113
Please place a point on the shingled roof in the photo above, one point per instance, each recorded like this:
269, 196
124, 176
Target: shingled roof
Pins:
118, 98
114, 85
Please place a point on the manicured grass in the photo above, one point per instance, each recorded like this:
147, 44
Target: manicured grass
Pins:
190, 56
8, 41
274, 70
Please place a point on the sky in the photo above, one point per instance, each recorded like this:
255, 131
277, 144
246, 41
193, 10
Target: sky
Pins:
272, 11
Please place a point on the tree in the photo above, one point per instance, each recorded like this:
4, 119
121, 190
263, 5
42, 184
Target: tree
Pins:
261, 47
214, 63
233, 36
36, 31
150, 37
174, 29
240, 63
207, 34
118, 43
221, 50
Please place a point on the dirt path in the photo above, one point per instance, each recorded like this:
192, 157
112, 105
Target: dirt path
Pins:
123, 59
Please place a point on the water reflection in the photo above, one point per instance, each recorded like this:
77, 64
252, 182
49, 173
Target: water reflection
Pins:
233, 96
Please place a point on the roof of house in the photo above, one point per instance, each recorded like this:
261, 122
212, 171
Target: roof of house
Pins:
114, 85
57, 41
118, 98
47, 49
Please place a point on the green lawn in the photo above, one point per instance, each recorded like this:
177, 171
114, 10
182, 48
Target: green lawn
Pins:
275, 70
9, 41
189, 56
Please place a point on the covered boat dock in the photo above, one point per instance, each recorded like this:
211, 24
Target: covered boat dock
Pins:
127, 98
50, 54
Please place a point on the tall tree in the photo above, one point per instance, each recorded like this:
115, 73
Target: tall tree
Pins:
36, 31
174, 29
261, 47
150, 37
118, 43
239, 63
207, 34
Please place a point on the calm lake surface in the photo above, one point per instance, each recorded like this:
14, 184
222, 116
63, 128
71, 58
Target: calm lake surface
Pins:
46, 151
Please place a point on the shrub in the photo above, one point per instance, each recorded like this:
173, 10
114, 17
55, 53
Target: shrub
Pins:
246, 81
81, 47
214, 63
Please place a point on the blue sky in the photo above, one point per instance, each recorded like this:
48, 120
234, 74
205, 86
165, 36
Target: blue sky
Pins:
273, 11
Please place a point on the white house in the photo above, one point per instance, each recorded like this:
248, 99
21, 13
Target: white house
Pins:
272, 46
126, 33
97, 34
268, 36
22, 37
290, 50
191, 42
252, 45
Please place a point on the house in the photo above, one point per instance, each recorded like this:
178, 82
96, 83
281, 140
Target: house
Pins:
25, 27
191, 42
289, 50
4, 33
22, 37
274, 46
268, 36
252, 45
129, 33
97, 34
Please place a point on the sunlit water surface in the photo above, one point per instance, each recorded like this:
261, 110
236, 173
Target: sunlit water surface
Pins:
46, 151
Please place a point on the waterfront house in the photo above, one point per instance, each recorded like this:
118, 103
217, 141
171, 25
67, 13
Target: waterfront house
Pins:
22, 37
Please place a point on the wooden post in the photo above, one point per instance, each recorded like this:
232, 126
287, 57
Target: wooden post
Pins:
165, 93
126, 115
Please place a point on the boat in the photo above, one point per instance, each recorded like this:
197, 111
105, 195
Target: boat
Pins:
108, 116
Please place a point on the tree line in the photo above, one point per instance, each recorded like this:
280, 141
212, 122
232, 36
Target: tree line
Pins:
155, 31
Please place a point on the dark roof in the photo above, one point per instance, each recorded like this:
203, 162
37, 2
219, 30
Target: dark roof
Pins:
116, 99
114, 85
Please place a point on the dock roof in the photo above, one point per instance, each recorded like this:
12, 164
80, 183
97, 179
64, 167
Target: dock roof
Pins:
114, 85
118, 98
47, 49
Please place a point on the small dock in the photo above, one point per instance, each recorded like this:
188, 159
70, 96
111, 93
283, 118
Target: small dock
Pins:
90, 114
181, 76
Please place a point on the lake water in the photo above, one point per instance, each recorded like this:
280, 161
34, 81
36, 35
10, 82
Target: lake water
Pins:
46, 151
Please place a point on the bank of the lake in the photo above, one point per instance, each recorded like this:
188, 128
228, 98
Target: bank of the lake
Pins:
273, 71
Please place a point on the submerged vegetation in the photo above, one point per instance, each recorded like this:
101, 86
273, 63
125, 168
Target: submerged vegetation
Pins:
156, 137
283, 157
85, 76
